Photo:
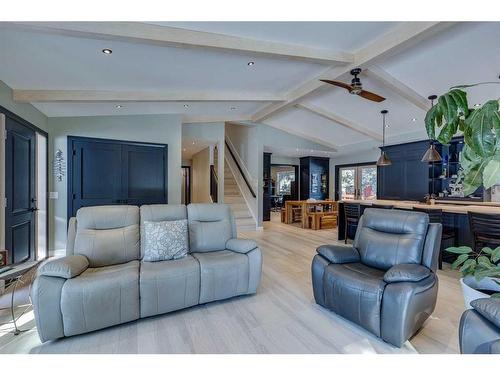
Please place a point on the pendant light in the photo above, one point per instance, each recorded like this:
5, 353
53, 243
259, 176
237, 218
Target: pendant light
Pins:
431, 155
383, 160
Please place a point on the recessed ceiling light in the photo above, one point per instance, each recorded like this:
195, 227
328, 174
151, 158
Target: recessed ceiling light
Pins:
118, 106
107, 51
413, 119
250, 63
388, 126
477, 105
186, 106
233, 108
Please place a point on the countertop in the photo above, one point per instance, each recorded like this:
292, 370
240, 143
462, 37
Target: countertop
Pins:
447, 206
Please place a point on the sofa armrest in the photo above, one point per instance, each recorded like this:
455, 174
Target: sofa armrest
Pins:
488, 308
66, 267
406, 273
495, 347
339, 254
240, 245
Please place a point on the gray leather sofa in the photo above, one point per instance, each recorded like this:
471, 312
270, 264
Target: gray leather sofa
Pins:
479, 331
103, 281
386, 281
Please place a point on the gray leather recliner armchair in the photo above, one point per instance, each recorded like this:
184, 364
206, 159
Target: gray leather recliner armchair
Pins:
103, 280
479, 331
386, 281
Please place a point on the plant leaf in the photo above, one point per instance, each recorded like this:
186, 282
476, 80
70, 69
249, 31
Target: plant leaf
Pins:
468, 267
495, 256
460, 259
487, 250
491, 173
485, 262
459, 250
495, 295
481, 124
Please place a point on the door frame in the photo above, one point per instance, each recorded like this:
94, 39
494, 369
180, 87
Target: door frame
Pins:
36, 129
74, 138
350, 165
187, 192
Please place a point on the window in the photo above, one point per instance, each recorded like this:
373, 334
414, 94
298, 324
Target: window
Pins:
358, 182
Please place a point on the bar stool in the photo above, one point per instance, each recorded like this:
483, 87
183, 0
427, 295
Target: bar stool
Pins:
384, 206
351, 214
485, 229
436, 216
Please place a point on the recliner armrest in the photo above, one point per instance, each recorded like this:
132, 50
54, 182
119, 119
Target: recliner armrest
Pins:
488, 308
66, 267
406, 273
240, 245
339, 254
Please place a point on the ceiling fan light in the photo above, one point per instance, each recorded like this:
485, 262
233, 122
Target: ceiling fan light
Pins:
383, 160
431, 155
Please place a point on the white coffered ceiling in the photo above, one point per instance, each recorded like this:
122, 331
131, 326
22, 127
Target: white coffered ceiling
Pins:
200, 70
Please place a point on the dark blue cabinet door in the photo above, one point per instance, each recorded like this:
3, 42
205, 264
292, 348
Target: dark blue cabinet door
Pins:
20, 191
143, 173
104, 172
96, 174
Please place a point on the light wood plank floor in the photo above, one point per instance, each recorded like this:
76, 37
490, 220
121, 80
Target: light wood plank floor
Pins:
281, 318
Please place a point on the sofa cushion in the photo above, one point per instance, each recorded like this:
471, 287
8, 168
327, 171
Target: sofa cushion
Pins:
169, 285
165, 240
406, 273
108, 235
100, 297
385, 238
210, 227
489, 308
66, 267
160, 212
355, 291
224, 274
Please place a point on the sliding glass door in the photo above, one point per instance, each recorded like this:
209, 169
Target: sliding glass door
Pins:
358, 182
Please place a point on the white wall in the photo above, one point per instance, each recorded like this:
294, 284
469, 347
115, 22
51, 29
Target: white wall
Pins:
200, 173
279, 159
142, 128
23, 110
214, 132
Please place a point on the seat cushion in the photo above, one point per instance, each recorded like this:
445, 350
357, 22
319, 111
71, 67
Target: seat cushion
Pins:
354, 291
100, 297
169, 285
224, 274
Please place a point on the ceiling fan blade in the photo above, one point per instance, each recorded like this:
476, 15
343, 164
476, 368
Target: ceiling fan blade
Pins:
371, 96
338, 83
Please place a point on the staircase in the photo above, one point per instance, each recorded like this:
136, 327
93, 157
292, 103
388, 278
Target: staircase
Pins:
232, 196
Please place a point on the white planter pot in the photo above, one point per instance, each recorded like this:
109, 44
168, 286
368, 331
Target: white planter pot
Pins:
470, 286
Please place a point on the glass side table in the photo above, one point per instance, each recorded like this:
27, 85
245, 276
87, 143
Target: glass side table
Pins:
15, 277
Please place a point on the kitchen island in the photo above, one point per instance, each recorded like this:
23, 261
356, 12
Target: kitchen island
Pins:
454, 214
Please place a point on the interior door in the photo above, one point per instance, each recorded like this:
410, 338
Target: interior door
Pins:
143, 175
108, 172
20, 189
95, 174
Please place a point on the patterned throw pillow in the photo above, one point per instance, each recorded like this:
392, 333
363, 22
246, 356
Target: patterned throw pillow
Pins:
165, 240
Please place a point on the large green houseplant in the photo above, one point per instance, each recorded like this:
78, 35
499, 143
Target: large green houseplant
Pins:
480, 157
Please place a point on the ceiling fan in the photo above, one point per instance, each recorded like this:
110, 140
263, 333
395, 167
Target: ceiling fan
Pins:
356, 88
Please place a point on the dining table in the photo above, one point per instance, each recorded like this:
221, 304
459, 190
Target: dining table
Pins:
305, 207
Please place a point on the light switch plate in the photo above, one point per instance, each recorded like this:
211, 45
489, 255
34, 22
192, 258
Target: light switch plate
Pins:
54, 195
